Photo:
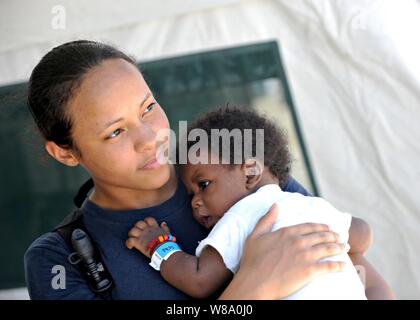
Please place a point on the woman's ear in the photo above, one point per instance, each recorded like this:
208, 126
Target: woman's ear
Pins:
64, 155
253, 172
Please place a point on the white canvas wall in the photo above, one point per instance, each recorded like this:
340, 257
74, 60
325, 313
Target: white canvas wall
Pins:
353, 70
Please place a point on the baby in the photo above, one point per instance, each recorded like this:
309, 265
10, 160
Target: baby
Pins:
229, 199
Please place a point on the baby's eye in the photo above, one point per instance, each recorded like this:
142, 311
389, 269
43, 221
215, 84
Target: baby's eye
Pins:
114, 134
149, 108
203, 185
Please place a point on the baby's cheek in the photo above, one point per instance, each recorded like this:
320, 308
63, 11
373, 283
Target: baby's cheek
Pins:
226, 203
219, 209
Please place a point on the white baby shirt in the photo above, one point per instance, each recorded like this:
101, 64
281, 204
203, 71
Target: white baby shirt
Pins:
229, 234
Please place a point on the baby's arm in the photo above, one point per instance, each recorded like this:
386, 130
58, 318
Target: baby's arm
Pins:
376, 288
360, 239
198, 277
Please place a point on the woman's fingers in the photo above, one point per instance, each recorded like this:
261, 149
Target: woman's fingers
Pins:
266, 222
325, 250
307, 228
283, 261
312, 239
327, 267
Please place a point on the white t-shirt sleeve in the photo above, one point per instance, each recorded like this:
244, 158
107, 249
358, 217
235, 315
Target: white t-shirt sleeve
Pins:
227, 237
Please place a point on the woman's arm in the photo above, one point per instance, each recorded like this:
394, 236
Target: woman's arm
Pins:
276, 264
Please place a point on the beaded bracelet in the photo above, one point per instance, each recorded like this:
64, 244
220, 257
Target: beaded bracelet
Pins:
152, 245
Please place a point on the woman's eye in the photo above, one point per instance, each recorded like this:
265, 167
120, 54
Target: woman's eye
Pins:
114, 134
149, 108
203, 185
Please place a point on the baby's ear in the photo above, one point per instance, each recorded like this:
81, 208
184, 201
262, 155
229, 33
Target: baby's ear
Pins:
253, 171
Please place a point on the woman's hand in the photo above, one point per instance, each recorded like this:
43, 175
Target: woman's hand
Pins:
277, 264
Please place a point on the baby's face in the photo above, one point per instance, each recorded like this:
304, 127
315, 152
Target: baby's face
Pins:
215, 188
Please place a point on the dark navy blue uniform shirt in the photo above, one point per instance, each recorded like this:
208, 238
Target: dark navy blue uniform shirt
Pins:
132, 275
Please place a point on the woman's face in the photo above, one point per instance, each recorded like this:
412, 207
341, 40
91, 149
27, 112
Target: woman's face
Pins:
115, 125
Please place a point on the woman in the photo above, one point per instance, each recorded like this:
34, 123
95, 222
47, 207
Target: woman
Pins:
94, 109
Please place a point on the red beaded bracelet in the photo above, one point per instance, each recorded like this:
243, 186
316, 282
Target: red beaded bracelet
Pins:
152, 245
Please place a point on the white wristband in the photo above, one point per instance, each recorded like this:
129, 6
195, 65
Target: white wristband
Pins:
163, 252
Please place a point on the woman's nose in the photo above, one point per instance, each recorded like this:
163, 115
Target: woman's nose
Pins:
144, 138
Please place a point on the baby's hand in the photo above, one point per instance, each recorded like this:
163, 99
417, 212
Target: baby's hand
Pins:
143, 232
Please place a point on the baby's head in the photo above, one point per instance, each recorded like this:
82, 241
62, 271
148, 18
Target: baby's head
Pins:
218, 186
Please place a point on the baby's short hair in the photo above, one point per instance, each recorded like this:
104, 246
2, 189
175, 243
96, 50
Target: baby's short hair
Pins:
276, 152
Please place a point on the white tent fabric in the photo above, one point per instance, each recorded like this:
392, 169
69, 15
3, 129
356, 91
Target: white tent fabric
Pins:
354, 72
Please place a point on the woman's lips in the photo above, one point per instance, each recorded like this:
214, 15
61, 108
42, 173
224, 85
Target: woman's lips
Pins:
158, 160
152, 164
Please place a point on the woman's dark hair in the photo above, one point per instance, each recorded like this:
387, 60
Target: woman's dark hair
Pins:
54, 81
276, 152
